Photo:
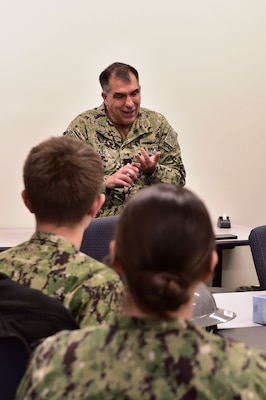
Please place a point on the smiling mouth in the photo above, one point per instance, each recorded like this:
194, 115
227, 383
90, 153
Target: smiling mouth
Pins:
129, 113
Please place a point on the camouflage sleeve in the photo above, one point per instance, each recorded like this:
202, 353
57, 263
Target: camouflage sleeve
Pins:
77, 129
47, 357
92, 304
170, 168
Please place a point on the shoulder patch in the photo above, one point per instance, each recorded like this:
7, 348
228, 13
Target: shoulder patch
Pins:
171, 138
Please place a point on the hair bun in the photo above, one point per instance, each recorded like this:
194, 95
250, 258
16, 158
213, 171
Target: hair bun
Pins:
159, 291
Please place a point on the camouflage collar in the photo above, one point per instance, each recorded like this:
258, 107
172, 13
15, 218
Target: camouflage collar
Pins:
52, 238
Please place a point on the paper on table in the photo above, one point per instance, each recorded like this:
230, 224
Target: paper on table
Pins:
239, 302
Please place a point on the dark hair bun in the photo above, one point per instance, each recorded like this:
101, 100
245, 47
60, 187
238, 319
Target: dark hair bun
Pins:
159, 292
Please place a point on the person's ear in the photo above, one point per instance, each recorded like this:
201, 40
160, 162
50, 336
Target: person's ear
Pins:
115, 265
104, 97
213, 262
26, 201
97, 204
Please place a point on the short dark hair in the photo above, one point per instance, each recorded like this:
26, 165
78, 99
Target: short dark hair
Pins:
164, 242
120, 71
62, 178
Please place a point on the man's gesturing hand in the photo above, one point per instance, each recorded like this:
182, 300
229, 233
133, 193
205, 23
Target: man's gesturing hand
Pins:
146, 163
124, 176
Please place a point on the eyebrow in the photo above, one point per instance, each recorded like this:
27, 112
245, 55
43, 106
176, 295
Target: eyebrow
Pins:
125, 94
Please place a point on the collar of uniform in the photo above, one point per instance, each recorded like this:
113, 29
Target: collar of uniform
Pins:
160, 324
52, 237
137, 129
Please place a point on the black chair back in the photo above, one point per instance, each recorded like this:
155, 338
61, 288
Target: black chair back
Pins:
257, 241
14, 355
97, 237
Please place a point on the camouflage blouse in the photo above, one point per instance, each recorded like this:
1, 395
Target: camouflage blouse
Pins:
150, 131
144, 359
52, 264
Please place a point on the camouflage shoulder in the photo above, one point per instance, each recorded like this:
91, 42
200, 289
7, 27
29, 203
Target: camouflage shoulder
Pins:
153, 115
171, 138
84, 123
101, 271
7, 255
158, 122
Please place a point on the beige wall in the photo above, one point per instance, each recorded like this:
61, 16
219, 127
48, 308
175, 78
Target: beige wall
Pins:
201, 63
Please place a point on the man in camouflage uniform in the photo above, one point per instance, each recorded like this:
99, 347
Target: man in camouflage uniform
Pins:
138, 147
63, 179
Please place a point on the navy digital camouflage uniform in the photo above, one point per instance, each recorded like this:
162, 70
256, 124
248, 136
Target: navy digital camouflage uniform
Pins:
150, 130
144, 359
52, 264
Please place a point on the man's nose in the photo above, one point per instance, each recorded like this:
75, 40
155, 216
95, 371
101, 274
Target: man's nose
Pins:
129, 101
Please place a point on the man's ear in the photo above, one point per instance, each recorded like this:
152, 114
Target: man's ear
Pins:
115, 265
104, 97
26, 201
97, 204
213, 262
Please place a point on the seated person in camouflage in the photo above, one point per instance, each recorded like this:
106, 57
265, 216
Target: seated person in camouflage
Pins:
63, 178
164, 247
138, 147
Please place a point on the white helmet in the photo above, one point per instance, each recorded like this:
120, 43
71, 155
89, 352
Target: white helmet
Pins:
205, 311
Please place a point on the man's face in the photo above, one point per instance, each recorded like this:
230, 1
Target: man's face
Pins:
122, 100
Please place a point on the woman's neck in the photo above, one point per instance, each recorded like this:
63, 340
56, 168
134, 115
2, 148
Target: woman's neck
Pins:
131, 309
